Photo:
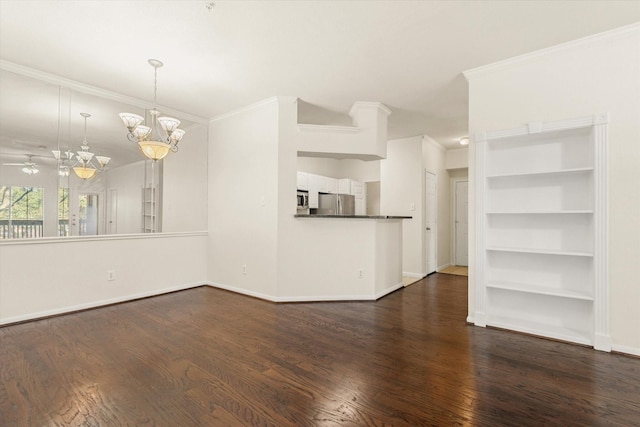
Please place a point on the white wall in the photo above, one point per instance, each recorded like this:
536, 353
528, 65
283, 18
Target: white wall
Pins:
401, 188
184, 184
373, 198
320, 166
457, 158
402, 176
360, 170
433, 157
243, 172
599, 74
73, 273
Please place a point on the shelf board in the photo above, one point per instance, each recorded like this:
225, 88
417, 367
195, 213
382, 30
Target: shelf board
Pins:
545, 173
539, 251
540, 329
553, 212
540, 290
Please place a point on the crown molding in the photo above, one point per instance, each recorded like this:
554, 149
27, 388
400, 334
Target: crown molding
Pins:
244, 109
93, 90
369, 105
304, 127
433, 142
510, 62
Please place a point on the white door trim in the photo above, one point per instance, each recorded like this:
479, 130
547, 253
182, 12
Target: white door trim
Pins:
424, 222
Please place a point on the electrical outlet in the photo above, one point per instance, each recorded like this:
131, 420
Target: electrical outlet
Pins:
244, 269
263, 201
360, 274
111, 275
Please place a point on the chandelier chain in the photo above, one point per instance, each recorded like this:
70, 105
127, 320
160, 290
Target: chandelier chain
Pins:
155, 86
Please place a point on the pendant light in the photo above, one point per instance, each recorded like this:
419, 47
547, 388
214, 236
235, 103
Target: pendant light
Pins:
84, 167
155, 141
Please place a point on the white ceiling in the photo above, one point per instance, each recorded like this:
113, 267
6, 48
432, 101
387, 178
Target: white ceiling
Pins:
408, 55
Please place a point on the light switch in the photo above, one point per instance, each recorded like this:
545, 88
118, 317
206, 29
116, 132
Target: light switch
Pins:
412, 206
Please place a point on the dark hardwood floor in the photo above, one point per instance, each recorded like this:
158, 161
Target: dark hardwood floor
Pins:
207, 357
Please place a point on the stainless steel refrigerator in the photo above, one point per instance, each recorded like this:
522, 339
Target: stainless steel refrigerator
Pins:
336, 204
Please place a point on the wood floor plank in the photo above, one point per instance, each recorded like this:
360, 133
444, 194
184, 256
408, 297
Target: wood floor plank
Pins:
208, 357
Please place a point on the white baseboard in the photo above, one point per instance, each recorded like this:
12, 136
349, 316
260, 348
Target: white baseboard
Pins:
626, 349
389, 290
241, 291
480, 319
308, 298
95, 304
443, 266
413, 275
602, 342
470, 319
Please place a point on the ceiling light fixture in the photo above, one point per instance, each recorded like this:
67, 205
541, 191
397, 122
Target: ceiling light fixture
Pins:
30, 170
84, 167
28, 167
464, 140
153, 147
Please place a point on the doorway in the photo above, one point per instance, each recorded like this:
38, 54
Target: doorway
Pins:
461, 223
88, 214
431, 225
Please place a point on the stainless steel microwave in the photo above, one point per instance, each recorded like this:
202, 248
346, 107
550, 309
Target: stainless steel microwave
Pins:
303, 201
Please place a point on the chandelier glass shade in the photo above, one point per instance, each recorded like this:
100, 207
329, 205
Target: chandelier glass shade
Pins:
64, 159
162, 135
84, 172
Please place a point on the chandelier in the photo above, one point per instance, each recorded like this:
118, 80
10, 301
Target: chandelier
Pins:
154, 147
84, 167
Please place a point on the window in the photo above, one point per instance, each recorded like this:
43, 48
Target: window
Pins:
63, 211
20, 212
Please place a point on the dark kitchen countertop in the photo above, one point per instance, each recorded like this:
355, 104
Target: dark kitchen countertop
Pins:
352, 216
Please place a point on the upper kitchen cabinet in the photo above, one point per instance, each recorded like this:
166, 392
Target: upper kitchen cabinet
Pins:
365, 140
303, 181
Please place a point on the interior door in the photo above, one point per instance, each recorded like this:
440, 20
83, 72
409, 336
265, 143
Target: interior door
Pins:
112, 212
88, 214
431, 231
462, 222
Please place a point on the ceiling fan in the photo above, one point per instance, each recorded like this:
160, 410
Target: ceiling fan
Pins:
28, 167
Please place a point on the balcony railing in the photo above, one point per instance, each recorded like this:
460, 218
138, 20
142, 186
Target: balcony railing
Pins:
26, 229
20, 228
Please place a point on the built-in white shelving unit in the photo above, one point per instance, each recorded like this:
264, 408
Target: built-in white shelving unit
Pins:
541, 230
149, 210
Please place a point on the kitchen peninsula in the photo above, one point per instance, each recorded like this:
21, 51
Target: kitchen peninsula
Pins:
351, 257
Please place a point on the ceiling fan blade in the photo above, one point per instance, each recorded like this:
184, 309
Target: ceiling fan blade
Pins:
14, 164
